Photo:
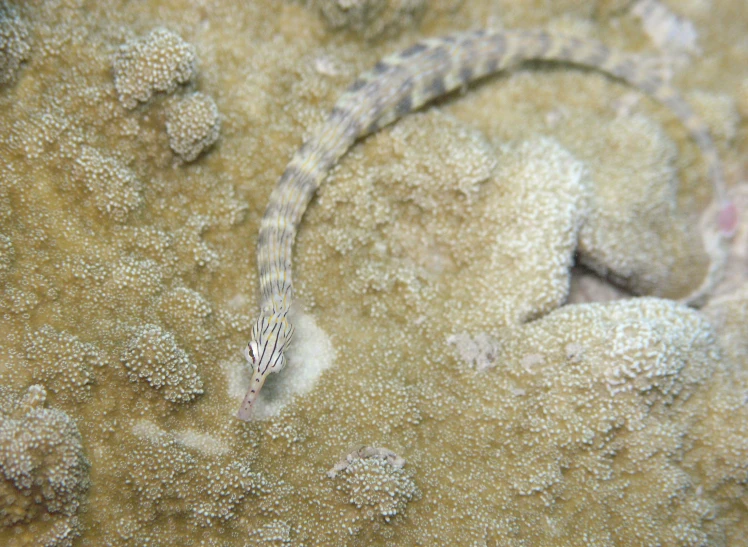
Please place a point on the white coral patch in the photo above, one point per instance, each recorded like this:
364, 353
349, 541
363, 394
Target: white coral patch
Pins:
205, 443
479, 352
531, 224
647, 352
114, 189
665, 28
378, 486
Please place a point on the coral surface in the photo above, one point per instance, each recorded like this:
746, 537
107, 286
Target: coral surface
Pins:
435, 273
14, 42
43, 471
193, 125
153, 355
158, 62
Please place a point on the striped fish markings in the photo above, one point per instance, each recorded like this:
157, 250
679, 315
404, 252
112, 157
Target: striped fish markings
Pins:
396, 86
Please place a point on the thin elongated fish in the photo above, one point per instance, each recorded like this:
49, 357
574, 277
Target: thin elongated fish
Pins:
396, 86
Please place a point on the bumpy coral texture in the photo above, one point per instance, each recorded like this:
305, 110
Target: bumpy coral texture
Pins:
377, 19
157, 62
43, 471
417, 266
377, 488
631, 374
7, 252
632, 165
193, 124
113, 188
729, 313
165, 477
153, 355
63, 363
14, 43
525, 203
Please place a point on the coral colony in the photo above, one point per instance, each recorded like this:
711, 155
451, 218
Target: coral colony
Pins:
515, 318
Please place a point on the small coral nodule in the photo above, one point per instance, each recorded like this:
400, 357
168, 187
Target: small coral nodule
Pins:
371, 18
193, 124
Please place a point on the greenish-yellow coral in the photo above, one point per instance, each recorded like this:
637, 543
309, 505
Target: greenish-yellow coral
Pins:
7, 253
404, 211
152, 354
582, 382
154, 468
729, 314
131, 276
112, 188
183, 305
193, 124
742, 102
165, 477
62, 363
14, 42
431, 197
377, 485
719, 111
530, 223
661, 253
639, 232
722, 435
43, 471
159, 61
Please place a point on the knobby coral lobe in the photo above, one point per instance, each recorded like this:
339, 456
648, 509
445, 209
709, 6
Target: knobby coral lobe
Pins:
43, 471
193, 124
159, 61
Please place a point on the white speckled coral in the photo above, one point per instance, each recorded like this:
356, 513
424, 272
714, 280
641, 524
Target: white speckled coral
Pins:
151, 354
159, 61
377, 484
113, 188
14, 42
193, 124
665, 252
506, 220
43, 470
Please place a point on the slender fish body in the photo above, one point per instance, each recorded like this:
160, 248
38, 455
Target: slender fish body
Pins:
396, 86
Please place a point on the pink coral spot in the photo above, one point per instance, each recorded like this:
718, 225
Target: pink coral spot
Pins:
727, 219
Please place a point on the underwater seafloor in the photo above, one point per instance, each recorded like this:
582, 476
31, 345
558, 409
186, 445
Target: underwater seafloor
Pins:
489, 350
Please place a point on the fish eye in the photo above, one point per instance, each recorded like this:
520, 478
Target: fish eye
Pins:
251, 352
